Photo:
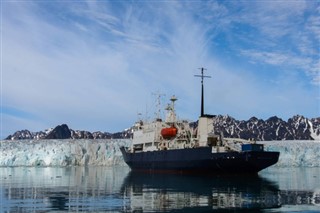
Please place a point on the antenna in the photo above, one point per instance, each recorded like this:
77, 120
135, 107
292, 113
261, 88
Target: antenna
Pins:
202, 92
139, 114
158, 103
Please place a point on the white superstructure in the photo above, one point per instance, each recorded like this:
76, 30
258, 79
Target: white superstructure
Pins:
179, 134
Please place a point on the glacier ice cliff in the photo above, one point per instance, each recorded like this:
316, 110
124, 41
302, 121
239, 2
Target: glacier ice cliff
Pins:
105, 152
296, 153
66, 152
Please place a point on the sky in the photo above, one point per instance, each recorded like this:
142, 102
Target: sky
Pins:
95, 65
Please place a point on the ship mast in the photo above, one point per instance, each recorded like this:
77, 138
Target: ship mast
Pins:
202, 92
158, 104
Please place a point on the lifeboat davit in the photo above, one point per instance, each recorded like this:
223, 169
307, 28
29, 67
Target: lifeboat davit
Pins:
168, 133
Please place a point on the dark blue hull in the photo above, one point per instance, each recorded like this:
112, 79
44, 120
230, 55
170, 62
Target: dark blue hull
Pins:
199, 160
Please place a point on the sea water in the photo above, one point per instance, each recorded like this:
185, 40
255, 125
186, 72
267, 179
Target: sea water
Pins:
117, 189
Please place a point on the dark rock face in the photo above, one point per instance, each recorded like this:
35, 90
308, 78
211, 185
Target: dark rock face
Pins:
315, 123
296, 128
60, 132
301, 127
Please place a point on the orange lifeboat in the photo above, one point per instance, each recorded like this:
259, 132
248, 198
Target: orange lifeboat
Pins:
168, 133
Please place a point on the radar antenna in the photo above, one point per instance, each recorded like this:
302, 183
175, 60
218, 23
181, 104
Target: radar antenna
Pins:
202, 92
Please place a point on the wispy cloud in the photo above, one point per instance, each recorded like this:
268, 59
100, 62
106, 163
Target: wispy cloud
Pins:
94, 64
278, 33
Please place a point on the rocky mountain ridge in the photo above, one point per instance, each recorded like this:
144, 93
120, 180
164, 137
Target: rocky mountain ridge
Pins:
63, 132
296, 128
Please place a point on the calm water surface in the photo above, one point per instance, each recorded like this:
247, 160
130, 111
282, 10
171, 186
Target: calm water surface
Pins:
103, 189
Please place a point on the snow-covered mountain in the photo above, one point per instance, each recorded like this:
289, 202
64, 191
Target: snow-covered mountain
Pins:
63, 132
296, 128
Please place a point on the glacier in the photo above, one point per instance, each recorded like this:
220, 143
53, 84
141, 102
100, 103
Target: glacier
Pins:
106, 152
295, 153
67, 152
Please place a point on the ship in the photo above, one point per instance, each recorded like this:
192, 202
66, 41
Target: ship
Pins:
173, 145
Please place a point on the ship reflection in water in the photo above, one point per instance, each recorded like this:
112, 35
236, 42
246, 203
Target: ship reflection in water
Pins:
92, 189
170, 192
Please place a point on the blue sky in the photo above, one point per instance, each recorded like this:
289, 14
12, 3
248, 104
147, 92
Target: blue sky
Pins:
95, 64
